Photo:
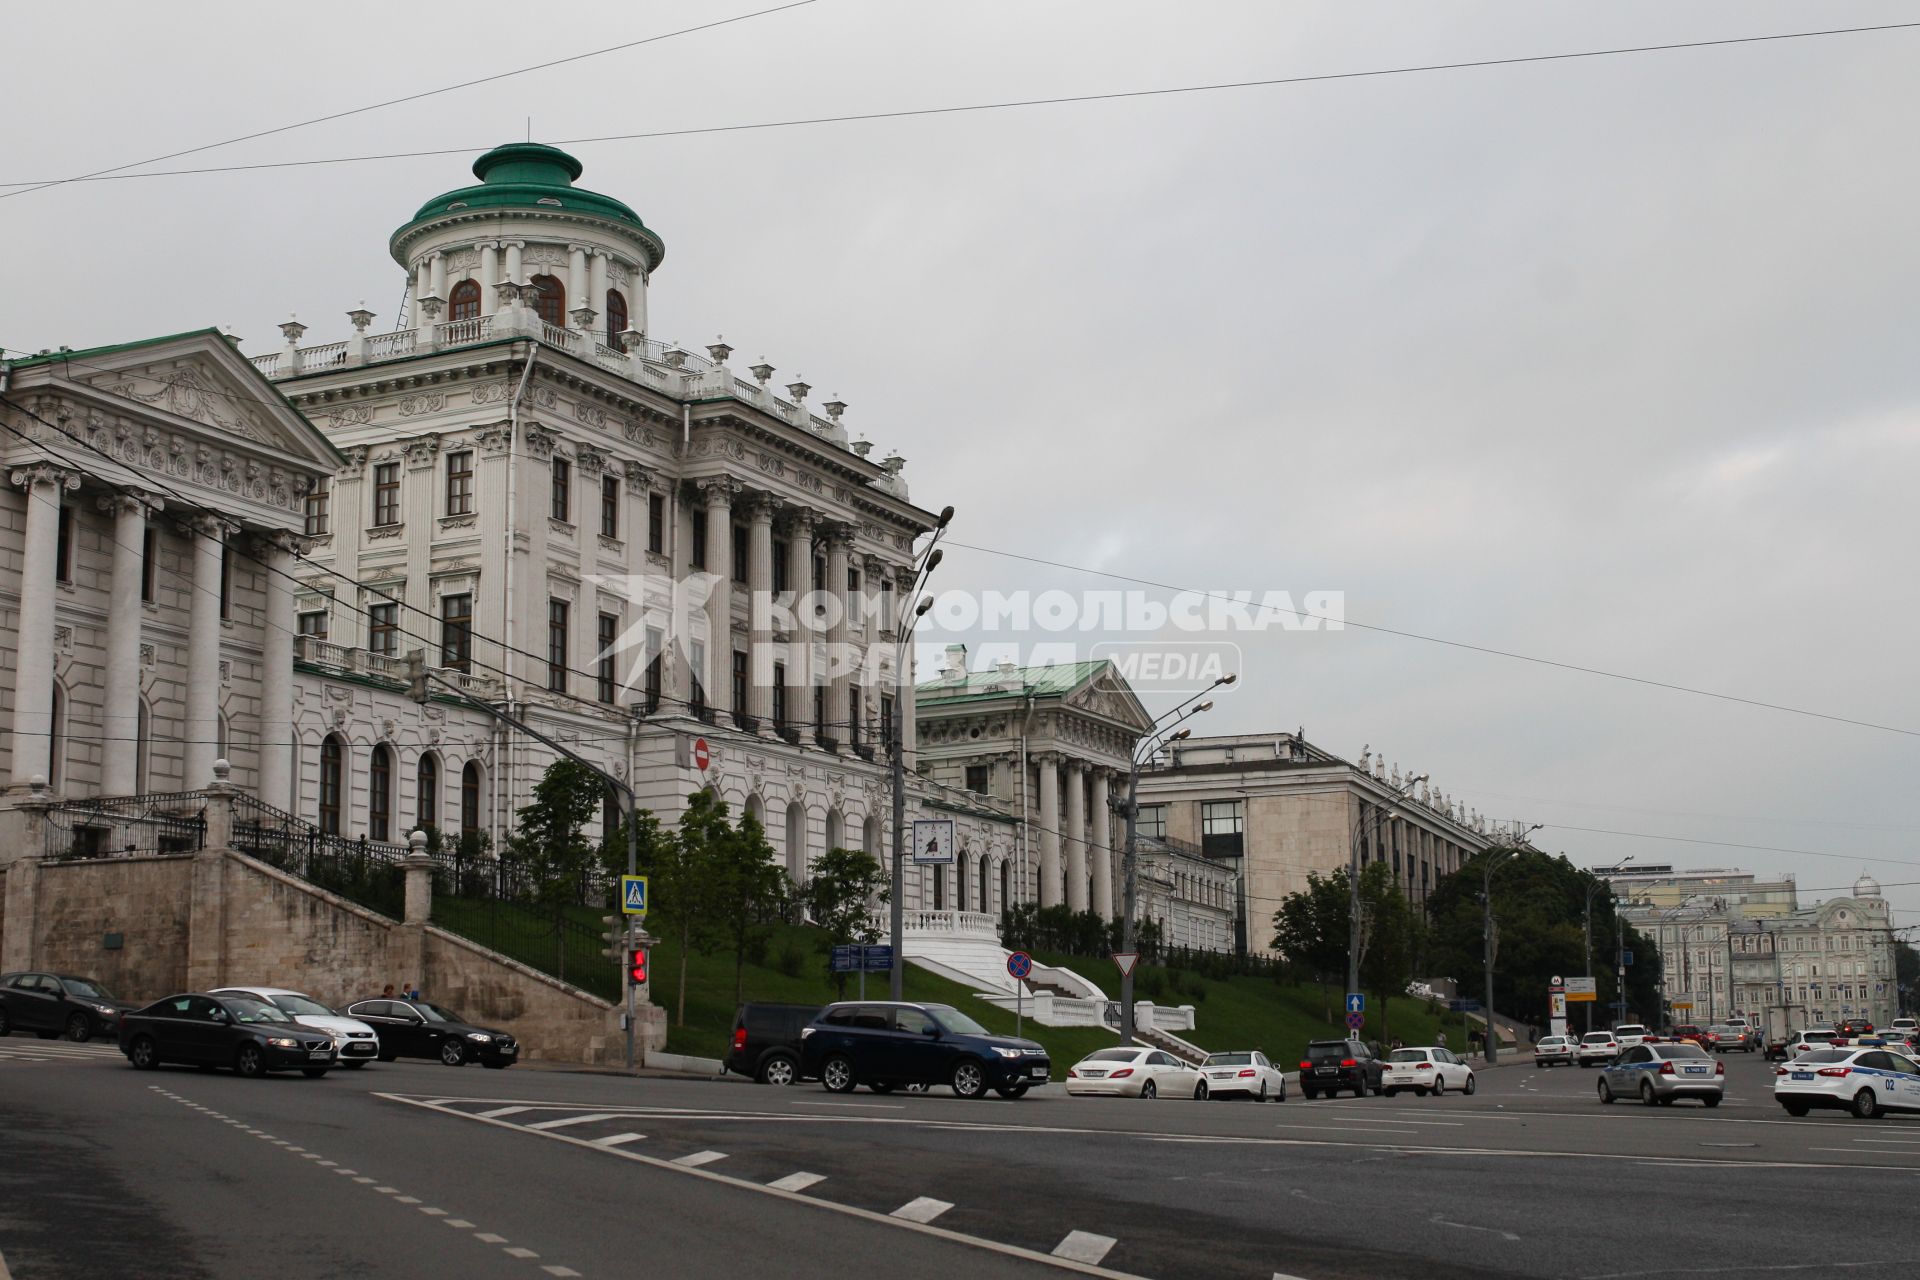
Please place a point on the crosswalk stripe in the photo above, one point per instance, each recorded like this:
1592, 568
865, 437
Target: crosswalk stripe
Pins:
699, 1158
797, 1181
921, 1209
497, 1112
1084, 1246
618, 1139
564, 1121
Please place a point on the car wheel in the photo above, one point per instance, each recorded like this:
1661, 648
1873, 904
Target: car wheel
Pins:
1866, 1106
313, 1073
1712, 1100
1795, 1108
6, 1023
1200, 1091
1148, 1091
1263, 1092
1606, 1091
79, 1028
837, 1075
1473, 1083
144, 1053
881, 1086
969, 1079
249, 1062
779, 1070
1392, 1093
453, 1053
491, 1066
1648, 1097
1017, 1091
1308, 1094
385, 1056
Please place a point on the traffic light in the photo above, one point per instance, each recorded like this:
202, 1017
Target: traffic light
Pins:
615, 936
637, 966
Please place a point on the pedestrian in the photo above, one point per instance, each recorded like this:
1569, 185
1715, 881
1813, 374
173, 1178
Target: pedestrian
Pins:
412, 992
1441, 1038
386, 992
1533, 1035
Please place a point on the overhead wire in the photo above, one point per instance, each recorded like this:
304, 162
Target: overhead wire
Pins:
1005, 105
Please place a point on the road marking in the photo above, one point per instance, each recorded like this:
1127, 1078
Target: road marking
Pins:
487, 1237
699, 1158
797, 1181
1319, 1128
864, 1106
1884, 1141
564, 1121
560, 1271
458, 1224
406, 1199
1439, 1221
363, 1180
921, 1209
497, 1112
1281, 1275
618, 1139
1084, 1246
432, 1212
515, 1251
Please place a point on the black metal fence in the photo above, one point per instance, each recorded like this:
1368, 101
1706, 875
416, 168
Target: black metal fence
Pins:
127, 826
360, 870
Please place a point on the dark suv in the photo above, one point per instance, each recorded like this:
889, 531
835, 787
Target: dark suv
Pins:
1333, 1065
766, 1041
884, 1045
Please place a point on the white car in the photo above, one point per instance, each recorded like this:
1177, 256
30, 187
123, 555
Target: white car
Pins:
1553, 1051
1901, 1028
1427, 1069
1628, 1034
358, 1044
1799, 1042
1868, 1082
1245, 1073
1135, 1071
1596, 1047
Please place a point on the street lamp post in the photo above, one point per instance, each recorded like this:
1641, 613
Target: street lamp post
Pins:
1496, 858
1353, 877
903, 689
1157, 735
1586, 950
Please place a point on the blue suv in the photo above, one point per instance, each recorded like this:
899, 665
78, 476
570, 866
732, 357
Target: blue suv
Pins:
884, 1045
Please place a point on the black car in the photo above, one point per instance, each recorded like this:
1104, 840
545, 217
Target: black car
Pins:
885, 1045
766, 1041
1333, 1065
419, 1029
210, 1031
57, 1004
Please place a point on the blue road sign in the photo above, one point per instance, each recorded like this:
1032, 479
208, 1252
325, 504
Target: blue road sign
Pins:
1356, 1002
1626, 959
633, 895
1355, 1021
1463, 1006
843, 960
1019, 964
878, 959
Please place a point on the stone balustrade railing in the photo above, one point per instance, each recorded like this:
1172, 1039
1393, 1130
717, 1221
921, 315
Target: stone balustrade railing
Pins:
964, 924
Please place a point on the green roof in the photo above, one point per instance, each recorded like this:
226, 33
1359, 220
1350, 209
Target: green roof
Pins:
54, 357
534, 177
1053, 681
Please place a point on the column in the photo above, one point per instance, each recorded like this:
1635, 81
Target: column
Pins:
1102, 842
676, 685
637, 300
437, 276
1050, 877
202, 728
513, 261
760, 615
120, 722
1076, 840
719, 494
839, 673
597, 287
33, 681
276, 673
489, 275
578, 291
800, 526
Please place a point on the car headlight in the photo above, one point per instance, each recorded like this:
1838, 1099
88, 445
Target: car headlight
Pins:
479, 1038
105, 1010
1008, 1053
283, 1042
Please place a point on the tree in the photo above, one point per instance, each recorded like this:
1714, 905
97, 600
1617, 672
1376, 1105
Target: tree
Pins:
841, 898
1391, 936
1310, 929
746, 889
548, 851
678, 882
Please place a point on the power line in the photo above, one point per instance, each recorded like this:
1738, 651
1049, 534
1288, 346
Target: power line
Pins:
1452, 644
99, 174
1732, 844
1013, 104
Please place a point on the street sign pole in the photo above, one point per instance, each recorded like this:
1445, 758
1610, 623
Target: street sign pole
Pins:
1019, 1008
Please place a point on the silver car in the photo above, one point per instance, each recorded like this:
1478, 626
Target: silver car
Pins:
1662, 1073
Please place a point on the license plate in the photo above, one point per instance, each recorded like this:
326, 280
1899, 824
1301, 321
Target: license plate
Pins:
1696, 1071
1038, 1073
319, 1053
1803, 1075
1095, 1075
1325, 1071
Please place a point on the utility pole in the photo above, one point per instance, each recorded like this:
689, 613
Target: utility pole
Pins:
1355, 926
903, 689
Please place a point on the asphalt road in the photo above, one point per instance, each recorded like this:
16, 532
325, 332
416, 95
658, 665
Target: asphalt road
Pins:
402, 1169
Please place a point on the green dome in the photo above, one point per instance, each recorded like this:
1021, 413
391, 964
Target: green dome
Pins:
534, 177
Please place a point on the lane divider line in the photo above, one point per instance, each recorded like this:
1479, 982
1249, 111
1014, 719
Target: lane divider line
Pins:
924, 1209
1084, 1246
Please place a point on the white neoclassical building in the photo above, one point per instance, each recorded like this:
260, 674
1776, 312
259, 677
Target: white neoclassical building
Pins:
677, 571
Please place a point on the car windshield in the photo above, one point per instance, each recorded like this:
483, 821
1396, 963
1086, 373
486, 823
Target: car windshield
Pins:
245, 1010
1552, 1040
1408, 1055
1818, 1056
1113, 1055
1597, 1037
1816, 1035
82, 987
1338, 1049
1229, 1060
302, 1006
434, 1013
951, 1019
1680, 1051
1631, 1029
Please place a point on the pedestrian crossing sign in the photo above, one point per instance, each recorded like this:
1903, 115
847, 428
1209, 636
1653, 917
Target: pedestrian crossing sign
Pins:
633, 895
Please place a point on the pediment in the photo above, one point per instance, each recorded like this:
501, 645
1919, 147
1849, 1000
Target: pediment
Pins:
1107, 695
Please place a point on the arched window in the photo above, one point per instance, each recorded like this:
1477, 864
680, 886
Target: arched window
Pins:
960, 882
616, 315
870, 835
986, 884
57, 738
143, 747
427, 797
939, 888
833, 830
380, 794
1006, 882
550, 300
797, 842
470, 797
331, 765
465, 302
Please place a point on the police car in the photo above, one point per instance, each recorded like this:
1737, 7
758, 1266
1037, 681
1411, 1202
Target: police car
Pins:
1869, 1082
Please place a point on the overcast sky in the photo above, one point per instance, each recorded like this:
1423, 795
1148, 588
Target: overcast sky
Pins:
1607, 361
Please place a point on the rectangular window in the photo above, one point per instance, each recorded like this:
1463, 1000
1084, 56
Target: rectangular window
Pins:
657, 523
780, 696
657, 656
609, 629
609, 506
456, 632
739, 553
886, 720
820, 712
980, 779
226, 580
314, 623
149, 564
562, 490
1152, 821
780, 576
887, 621
63, 551
699, 553
819, 573
460, 483
853, 598
697, 659
320, 507
386, 494
383, 628
739, 684
557, 646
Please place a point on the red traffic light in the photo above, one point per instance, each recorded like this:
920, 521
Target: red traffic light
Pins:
637, 966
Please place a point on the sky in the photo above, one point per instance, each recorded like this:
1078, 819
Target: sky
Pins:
1603, 361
